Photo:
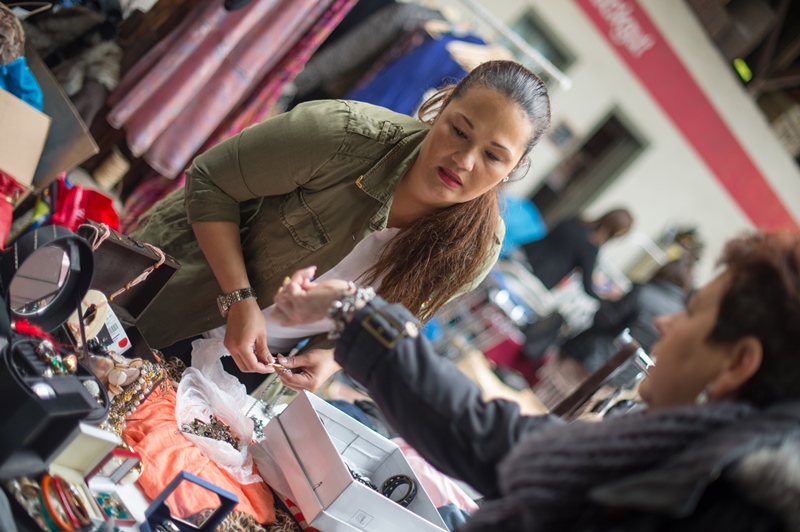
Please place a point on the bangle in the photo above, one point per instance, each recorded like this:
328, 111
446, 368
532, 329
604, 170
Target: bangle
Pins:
52, 506
62, 496
73, 500
342, 311
392, 483
225, 301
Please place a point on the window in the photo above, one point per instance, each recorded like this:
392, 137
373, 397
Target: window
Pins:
591, 167
531, 28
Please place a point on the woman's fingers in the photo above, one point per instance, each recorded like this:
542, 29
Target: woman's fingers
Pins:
309, 370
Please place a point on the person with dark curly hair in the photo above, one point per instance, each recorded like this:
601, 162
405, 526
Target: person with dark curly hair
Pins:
717, 449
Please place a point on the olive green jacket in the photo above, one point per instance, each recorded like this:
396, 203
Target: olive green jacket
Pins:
304, 187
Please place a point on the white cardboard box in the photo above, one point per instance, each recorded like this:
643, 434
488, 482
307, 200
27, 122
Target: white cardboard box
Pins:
305, 449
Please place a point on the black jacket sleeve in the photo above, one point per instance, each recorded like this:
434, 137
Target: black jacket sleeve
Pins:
427, 399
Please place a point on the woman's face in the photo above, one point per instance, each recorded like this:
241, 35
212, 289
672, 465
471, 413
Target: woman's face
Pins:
475, 142
685, 362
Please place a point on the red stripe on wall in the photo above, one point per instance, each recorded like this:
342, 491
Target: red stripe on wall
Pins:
642, 47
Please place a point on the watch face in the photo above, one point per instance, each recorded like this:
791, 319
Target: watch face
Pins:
223, 309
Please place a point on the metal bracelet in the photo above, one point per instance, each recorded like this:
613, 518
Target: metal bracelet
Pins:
342, 311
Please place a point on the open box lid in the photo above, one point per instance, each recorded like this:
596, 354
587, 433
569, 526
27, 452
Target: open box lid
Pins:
118, 260
87, 447
317, 442
69, 142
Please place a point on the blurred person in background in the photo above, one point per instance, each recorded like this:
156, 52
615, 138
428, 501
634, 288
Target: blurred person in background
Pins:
575, 243
665, 293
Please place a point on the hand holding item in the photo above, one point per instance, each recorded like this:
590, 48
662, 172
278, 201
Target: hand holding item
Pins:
246, 337
309, 370
300, 300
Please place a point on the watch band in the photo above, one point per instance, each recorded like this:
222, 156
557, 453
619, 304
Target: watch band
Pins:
225, 301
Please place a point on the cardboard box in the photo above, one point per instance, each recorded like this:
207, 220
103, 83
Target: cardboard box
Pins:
69, 142
36, 147
307, 450
23, 132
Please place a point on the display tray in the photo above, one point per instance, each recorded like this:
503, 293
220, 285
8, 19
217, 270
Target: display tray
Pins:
119, 260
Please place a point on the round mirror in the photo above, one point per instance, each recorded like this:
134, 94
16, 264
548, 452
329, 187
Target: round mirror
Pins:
45, 274
38, 281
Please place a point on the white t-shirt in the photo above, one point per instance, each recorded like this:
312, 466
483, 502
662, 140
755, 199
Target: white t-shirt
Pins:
281, 339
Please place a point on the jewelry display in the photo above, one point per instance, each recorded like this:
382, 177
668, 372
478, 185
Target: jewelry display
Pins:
343, 310
65, 503
112, 507
362, 479
275, 391
214, 429
126, 402
43, 390
392, 483
56, 364
174, 368
74, 500
26, 492
52, 505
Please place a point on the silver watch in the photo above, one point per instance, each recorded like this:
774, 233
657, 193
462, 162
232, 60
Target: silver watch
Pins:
225, 301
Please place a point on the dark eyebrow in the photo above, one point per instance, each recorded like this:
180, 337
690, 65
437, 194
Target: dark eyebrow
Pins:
471, 126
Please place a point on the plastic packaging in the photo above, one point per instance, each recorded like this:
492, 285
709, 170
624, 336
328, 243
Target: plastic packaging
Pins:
206, 389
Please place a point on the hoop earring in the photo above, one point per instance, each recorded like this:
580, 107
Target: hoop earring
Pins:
521, 169
505, 180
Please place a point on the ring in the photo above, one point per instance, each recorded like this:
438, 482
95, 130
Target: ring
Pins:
392, 483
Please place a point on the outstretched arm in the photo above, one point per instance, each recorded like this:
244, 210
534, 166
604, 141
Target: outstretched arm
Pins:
434, 406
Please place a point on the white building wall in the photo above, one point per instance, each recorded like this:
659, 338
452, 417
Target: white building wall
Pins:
668, 182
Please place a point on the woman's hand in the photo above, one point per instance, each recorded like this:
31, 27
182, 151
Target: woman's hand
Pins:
246, 337
309, 371
301, 300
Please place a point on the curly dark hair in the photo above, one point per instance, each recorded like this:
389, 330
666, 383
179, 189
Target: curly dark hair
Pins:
763, 300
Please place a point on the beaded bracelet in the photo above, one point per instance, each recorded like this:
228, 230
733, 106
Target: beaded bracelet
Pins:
343, 310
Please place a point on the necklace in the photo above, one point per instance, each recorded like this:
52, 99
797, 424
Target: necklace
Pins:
268, 406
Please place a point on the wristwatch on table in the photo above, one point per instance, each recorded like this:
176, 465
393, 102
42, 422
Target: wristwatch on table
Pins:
225, 301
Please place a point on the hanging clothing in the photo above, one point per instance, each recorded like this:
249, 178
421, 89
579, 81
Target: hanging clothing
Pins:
259, 106
337, 67
403, 83
176, 96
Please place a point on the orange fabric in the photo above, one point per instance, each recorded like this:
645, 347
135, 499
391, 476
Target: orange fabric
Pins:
153, 432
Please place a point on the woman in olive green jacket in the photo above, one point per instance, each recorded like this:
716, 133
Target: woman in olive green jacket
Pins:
306, 187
